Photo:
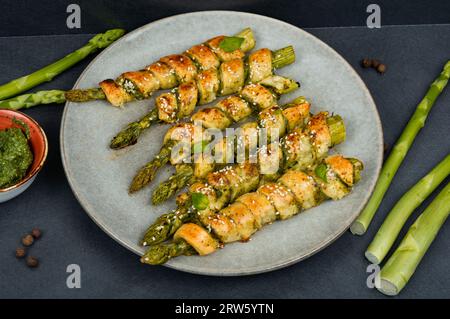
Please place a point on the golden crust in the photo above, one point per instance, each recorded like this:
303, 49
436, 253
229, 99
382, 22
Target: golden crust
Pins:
197, 237
146, 82
212, 117
232, 76
188, 98
115, 94
258, 95
260, 65
320, 134
164, 74
214, 44
208, 84
204, 56
342, 167
297, 114
182, 65
167, 105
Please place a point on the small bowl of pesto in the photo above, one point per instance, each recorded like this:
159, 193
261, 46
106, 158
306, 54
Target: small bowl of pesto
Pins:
23, 151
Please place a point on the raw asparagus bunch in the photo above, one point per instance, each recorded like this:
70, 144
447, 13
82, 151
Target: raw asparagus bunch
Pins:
403, 263
300, 149
170, 70
232, 109
388, 232
283, 119
400, 150
229, 78
292, 193
22, 84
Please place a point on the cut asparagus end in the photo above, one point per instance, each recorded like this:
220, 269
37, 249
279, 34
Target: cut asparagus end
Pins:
358, 166
279, 84
283, 57
249, 39
85, 95
160, 254
337, 129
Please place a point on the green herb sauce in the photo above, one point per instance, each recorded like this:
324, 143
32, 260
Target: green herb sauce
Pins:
15, 156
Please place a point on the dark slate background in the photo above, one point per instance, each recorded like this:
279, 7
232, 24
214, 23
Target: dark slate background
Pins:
414, 56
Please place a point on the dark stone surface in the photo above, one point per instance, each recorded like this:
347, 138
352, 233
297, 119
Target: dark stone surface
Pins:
29, 17
414, 56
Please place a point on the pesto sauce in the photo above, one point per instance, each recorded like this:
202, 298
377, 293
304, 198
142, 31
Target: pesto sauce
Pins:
15, 156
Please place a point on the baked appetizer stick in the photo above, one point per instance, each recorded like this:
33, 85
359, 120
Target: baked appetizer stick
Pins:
283, 119
226, 112
169, 71
300, 149
294, 192
209, 84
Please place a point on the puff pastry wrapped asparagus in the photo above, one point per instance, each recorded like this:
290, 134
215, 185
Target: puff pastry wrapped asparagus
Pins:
301, 149
168, 72
229, 78
278, 119
294, 192
232, 109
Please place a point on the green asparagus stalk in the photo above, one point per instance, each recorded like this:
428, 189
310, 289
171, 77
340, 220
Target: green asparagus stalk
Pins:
403, 263
160, 254
147, 173
388, 232
26, 101
47, 73
130, 134
400, 150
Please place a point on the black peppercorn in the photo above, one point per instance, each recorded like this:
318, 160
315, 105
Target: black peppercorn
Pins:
366, 63
375, 63
27, 240
20, 252
381, 68
32, 262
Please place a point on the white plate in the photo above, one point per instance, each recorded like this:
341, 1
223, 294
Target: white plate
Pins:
99, 177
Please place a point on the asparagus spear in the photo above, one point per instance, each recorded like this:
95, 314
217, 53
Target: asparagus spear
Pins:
400, 150
167, 224
26, 101
402, 264
185, 173
255, 212
388, 232
130, 91
133, 130
47, 73
147, 173
160, 254
29, 100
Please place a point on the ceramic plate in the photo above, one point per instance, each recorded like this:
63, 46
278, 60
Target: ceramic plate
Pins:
99, 177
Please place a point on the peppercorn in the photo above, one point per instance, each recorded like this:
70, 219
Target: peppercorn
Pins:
375, 63
381, 68
366, 63
27, 240
36, 233
20, 252
32, 262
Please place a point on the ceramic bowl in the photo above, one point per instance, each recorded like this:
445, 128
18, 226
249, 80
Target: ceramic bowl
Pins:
39, 147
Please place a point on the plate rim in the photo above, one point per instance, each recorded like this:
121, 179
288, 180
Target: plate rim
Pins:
254, 270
